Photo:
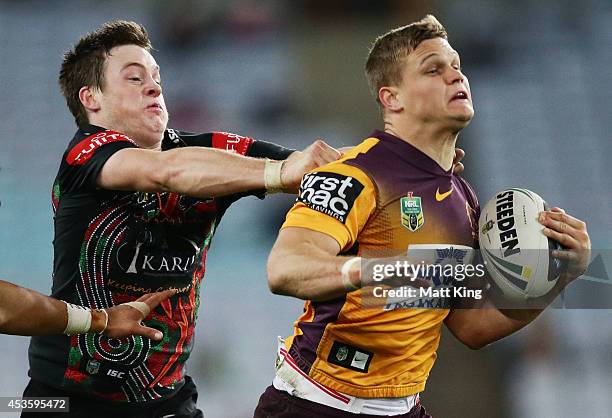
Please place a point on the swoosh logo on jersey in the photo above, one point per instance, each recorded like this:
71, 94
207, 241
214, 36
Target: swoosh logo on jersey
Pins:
441, 196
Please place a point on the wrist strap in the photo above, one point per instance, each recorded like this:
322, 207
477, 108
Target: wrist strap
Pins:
345, 271
79, 319
272, 176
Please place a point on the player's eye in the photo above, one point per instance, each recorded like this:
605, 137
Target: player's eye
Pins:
432, 70
135, 79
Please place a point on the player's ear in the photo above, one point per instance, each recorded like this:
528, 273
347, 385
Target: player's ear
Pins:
89, 97
389, 98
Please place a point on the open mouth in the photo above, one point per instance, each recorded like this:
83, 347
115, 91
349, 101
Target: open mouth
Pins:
460, 95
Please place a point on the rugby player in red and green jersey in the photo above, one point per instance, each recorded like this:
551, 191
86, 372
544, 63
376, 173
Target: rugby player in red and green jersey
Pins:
393, 193
136, 205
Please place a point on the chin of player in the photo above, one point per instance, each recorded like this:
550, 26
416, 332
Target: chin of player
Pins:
459, 122
462, 117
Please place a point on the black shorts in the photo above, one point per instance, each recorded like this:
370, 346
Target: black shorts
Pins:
278, 404
183, 404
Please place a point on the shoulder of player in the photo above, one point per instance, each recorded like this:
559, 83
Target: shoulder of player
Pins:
337, 174
86, 142
349, 164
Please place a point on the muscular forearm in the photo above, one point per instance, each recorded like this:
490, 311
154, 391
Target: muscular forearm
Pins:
26, 312
486, 325
531, 309
206, 172
308, 275
492, 318
203, 172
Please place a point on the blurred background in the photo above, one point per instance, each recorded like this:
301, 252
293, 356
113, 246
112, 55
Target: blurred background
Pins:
292, 71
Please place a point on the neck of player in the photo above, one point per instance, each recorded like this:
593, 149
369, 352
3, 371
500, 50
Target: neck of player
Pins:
438, 143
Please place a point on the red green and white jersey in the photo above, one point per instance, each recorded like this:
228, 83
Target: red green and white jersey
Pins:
112, 247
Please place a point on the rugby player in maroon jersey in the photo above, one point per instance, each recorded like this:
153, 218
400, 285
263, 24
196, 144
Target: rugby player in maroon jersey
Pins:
392, 193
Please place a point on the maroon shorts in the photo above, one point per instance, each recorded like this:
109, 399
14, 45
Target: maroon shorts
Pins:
278, 404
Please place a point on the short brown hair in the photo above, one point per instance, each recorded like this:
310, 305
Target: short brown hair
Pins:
84, 65
383, 66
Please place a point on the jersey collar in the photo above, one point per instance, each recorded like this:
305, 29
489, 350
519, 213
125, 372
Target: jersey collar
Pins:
88, 129
411, 154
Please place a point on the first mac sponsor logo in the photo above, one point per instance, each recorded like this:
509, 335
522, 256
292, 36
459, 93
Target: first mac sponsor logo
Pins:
330, 193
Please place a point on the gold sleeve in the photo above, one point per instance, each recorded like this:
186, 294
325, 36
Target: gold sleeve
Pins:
337, 200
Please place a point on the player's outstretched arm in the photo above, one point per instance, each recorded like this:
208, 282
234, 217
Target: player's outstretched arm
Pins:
27, 312
304, 264
207, 172
485, 324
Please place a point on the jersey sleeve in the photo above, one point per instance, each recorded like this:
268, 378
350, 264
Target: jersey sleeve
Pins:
225, 141
263, 149
84, 160
336, 200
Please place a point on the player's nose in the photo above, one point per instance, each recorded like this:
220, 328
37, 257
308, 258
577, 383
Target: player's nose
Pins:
153, 88
454, 75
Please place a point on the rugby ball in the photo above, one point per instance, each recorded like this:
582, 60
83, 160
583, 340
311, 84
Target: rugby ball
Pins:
516, 253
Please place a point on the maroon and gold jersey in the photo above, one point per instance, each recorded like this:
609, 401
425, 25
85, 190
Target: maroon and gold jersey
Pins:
114, 246
382, 197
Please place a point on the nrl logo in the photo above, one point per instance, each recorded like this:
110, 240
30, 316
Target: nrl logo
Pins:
342, 353
412, 212
93, 367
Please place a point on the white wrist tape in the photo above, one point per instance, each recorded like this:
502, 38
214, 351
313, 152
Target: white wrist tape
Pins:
272, 176
346, 279
79, 319
142, 307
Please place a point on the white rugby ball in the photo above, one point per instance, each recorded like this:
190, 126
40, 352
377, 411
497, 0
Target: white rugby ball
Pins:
517, 254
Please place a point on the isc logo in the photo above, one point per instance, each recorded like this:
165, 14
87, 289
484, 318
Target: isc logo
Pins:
330, 193
115, 373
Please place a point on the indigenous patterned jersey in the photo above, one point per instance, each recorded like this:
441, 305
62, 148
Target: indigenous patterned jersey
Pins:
114, 246
382, 197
